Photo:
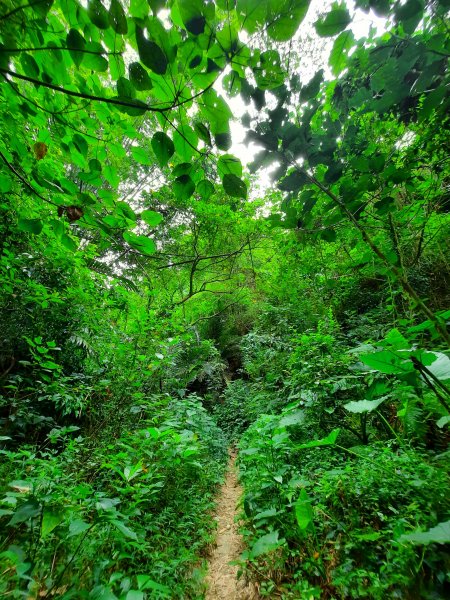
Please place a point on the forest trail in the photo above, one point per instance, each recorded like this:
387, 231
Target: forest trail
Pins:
221, 579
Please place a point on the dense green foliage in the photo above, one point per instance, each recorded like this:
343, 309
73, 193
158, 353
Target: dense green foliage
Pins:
157, 306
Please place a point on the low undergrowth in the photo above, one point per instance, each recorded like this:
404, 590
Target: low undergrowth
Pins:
129, 523
323, 523
344, 464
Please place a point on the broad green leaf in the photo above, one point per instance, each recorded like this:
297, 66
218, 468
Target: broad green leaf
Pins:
436, 535
26, 511
125, 89
229, 165
293, 418
139, 77
268, 73
234, 186
41, 8
387, 361
270, 512
440, 367
151, 54
30, 225
395, 340
284, 18
203, 132
293, 182
141, 243
252, 14
76, 44
330, 440
303, 510
24, 487
191, 12
134, 595
78, 526
216, 113
183, 187
124, 529
339, 53
29, 65
145, 582
205, 189
185, 141
80, 143
141, 156
103, 592
334, 22
265, 544
163, 147
68, 242
93, 58
117, 18
139, 9
223, 140
151, 217
50, 521
409, 14
443, 421
184, 168
98, 14
311, 89
363, 406
123, 208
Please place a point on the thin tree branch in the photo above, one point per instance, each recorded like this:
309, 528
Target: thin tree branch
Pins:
24, 181
114, 101
19, 8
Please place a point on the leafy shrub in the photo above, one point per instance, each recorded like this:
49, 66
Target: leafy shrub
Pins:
331, 522
85, 525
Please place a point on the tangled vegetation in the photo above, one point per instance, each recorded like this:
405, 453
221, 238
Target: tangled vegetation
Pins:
163, 300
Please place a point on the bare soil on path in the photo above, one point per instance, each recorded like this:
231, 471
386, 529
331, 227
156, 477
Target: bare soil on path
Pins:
221, 579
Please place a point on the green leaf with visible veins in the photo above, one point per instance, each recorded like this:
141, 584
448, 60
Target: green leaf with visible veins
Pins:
339, 53
362, 406
229, 164
436, 535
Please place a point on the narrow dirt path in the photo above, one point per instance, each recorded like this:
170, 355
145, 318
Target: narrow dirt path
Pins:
222, 580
